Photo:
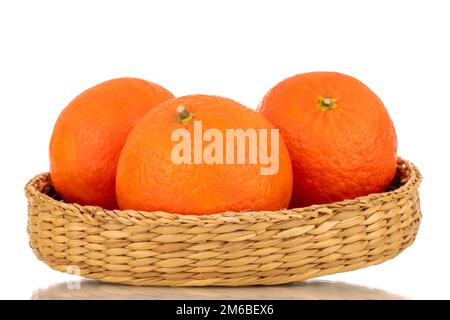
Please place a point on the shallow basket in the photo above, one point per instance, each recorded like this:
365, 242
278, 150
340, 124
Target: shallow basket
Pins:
226, 249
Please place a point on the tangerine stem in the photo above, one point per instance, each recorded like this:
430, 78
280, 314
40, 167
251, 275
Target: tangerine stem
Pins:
326, 103
183, 115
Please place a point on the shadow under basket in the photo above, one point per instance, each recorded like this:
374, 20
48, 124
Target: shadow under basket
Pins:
226, 249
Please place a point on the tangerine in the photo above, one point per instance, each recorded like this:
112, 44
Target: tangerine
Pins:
89, 135
339, 135
185, 156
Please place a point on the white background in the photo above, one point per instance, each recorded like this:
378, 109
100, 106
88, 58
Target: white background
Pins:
50, 51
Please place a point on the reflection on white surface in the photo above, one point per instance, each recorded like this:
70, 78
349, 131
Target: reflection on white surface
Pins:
92, 290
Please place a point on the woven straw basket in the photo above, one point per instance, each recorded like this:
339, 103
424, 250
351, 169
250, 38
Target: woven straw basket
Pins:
226, 249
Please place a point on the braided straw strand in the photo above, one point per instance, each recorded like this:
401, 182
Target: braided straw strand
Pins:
226, 249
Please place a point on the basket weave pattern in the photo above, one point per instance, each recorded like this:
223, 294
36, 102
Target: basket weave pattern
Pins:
227, 249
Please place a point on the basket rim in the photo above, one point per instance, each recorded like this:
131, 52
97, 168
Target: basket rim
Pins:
413, 182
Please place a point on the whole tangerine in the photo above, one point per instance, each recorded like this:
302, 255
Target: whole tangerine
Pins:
153, 174
340, 137
89, 135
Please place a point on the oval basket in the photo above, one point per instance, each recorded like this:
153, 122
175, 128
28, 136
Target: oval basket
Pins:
226, 249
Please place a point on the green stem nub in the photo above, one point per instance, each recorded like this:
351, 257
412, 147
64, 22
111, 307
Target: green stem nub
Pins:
327, 103
183, 115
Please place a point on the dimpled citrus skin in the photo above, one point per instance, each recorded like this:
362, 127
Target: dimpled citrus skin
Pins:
339, 153
147, 179
89, 135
